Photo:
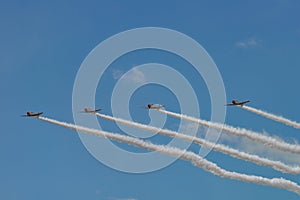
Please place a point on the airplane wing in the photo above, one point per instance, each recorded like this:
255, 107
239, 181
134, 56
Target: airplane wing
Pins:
245, 102
38, 114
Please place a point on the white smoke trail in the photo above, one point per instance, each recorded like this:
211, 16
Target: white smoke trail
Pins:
184, 155
272, 116
217, 147
265, 140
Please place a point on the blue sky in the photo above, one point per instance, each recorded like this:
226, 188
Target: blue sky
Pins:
254, 44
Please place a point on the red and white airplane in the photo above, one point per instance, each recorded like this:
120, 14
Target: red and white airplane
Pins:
237, 103
32, 114
154, 106
87, 110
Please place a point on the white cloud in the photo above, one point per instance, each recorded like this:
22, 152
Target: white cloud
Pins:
249, 146
116, 74
188, 128
134, 75
274, 154
246, 145
251, 42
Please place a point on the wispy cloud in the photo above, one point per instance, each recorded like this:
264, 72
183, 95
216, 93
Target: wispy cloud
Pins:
255, 148
134, 75
116, 74
251, 42
249, 146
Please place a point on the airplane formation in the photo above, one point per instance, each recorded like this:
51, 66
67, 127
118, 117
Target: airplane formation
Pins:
148, 106
194, 158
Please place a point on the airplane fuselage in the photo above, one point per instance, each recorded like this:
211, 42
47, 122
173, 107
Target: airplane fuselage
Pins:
32, 114
154, 106
237, 103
